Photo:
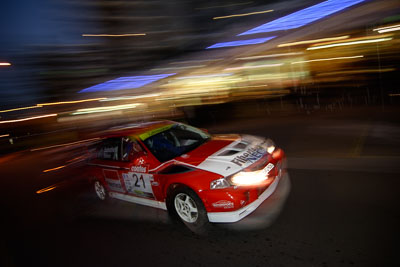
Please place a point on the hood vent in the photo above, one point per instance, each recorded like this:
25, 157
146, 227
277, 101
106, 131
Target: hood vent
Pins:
239, 147
228, 153
242, 145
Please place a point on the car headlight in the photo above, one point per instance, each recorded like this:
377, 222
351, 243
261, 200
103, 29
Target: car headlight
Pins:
248, 178
219, 184
251, 178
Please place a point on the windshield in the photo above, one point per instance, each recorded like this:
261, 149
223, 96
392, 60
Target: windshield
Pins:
175, 141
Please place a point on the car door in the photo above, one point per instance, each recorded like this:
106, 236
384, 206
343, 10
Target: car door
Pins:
136, 177
109, 161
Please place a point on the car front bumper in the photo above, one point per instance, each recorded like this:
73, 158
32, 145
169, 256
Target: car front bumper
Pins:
237, 215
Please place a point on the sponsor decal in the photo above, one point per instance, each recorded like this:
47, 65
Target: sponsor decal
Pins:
251, 155
267, 168
223, 204
112, 180
114, 185
139, 169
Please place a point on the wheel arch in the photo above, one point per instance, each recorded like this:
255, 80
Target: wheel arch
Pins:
93, 178
170, 190
201, 223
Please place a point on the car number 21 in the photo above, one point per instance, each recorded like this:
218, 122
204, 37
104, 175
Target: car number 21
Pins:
138, 183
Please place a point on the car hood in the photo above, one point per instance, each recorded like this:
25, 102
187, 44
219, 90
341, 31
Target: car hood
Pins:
226, 154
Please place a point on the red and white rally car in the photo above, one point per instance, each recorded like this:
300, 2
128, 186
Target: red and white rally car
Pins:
200, 177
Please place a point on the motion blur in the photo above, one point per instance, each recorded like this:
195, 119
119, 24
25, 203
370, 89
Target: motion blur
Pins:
319, 77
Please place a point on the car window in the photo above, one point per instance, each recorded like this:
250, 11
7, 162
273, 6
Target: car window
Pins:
130, 148
175, 141
110, 149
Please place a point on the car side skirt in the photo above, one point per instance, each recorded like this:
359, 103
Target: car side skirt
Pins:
234, 216
139, 200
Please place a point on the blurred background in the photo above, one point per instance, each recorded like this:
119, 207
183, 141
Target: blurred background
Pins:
321, 78
119, 61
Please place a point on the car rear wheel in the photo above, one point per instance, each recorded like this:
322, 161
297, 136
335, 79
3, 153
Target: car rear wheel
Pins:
189, 208
100, 191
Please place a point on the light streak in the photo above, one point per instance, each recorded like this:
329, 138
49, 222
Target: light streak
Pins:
30, 118
256, 67
326, 59
5, 64
180, 68
315, 41
304, 16
129, 97
49, 188
349, 43
53, 103
215, 82
390, 30
76, 159
244, 14
113, 35
54, 169
394, 94
200, 60
252, 86
268, 56
204, 76
4, 135
71, 102
386, 27
241, 42
66, 144
15, 109
105, 109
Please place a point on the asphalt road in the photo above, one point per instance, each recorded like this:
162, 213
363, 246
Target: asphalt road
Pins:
342, 209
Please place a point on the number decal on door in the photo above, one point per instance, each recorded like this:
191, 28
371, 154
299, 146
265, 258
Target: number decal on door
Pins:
137, 181
138, 184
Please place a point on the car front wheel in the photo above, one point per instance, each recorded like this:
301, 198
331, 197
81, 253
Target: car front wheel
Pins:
190, 209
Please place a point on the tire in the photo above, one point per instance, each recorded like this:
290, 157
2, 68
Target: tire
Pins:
186, 205
100, 190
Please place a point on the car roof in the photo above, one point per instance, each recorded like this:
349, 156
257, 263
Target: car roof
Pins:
136, 129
